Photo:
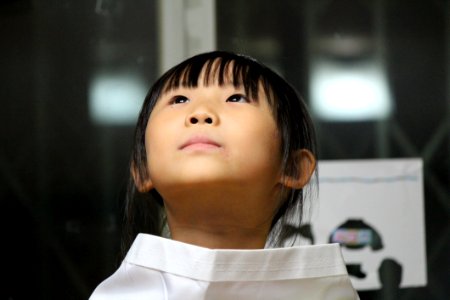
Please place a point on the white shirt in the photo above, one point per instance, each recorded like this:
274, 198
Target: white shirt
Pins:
159, 268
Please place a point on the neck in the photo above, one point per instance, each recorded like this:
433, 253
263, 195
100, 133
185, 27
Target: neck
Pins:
227, 220
220, 238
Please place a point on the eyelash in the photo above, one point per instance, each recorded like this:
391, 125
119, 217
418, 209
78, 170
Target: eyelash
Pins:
183, 99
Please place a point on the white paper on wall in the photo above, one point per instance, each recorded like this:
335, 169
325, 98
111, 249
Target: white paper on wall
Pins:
375, 209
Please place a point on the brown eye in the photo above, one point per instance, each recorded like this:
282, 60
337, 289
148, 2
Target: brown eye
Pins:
179, 100
237, 98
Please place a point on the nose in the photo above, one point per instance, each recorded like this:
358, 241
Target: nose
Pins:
202, 117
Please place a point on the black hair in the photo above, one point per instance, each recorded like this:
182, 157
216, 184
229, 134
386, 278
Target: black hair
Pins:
144, 212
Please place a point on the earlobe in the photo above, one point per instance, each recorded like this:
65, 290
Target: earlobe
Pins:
306, 164
143, 185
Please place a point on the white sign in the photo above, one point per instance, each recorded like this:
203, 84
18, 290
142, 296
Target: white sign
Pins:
375, 209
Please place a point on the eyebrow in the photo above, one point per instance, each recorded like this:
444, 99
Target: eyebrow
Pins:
167, 90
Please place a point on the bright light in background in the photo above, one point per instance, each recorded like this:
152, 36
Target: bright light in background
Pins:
349, 93
116, 98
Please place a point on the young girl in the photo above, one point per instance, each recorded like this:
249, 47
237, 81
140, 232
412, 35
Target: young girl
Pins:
224, 148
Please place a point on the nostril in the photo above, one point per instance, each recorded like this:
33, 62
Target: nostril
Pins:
194, 121
208, 120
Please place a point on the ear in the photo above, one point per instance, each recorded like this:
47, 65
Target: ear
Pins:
306, 164
143, 185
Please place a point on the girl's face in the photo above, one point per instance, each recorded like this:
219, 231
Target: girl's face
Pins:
212, 135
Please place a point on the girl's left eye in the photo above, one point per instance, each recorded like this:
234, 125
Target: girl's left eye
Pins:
237, 98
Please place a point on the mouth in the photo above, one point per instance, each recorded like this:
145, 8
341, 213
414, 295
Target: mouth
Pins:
200, 143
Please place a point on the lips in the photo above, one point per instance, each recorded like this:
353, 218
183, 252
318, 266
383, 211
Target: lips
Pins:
199, 143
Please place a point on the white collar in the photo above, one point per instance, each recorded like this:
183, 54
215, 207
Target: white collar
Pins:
228, 265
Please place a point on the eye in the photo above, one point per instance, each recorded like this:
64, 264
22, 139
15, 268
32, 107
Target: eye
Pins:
179, 99
237, 98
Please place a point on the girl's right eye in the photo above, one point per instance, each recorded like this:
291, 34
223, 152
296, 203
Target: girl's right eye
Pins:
179, 100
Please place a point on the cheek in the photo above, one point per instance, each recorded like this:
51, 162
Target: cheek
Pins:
260, 147
154, 146
267, 151
266, 136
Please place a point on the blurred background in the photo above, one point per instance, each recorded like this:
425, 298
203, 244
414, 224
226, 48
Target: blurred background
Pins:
375, 74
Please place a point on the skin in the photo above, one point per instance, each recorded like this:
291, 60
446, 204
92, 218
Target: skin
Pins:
214, 156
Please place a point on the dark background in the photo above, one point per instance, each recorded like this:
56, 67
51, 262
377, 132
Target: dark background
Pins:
63, 176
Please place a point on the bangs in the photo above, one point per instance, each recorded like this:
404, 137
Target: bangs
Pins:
223, 69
